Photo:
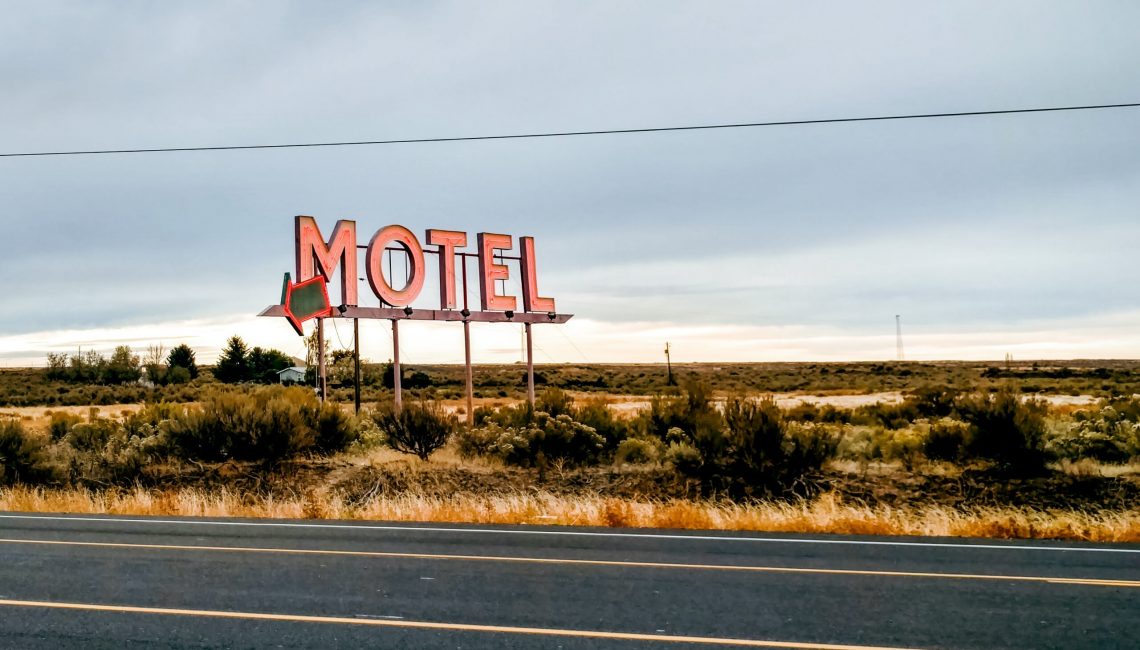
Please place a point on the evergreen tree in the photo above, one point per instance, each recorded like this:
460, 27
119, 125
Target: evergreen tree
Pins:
265, 364
182, 356
233, 364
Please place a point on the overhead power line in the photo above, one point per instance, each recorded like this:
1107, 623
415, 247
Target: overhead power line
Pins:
563, 134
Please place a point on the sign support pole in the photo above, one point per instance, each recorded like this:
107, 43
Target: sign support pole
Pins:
321, 386
396, 364
356, 361
467, 374
529, 367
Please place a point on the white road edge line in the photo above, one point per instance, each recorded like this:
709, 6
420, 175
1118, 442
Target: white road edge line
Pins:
571, 533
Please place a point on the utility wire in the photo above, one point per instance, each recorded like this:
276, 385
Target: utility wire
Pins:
562, 134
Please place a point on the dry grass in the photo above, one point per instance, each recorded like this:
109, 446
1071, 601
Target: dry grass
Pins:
823, 515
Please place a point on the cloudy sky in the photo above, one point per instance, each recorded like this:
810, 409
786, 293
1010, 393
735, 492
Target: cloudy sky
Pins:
988, 235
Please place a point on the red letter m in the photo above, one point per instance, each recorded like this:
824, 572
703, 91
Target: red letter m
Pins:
315, 256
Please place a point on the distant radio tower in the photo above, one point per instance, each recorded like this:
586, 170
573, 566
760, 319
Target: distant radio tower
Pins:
669, 364
898, 336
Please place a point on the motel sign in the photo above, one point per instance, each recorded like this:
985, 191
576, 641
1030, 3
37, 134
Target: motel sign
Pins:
318, 259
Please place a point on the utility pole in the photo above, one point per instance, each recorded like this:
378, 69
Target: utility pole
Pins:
669, 365
898, 336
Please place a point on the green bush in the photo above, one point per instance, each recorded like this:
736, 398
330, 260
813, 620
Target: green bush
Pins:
61, 424
22, 454
267, 424
1107, 435
930, 401
478, 441
91, 436
762, 451
809, 412
883, 414
596, 414
683, 458
692, 413
946, 440
638, 451
749, 450
545, 440
1006, 430
419, 428
554, 402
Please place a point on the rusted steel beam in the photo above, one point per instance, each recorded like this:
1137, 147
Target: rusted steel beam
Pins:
388, 313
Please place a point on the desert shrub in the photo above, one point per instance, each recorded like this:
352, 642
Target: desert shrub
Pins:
753, 451
809, 412
1107, 435
368, 435
124, 456
692, 412
765, 452
22, 454
596, 414
554, 402
419, 428
266, 424
518, 415
1006, 430
478, 441
545, 440
638, 450
946, 440
929, 401
335, 430
884, 414
92, 435
806, 448
61, 424
683, 458
860, 442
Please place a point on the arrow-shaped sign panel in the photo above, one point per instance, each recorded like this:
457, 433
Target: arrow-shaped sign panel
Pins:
304, 300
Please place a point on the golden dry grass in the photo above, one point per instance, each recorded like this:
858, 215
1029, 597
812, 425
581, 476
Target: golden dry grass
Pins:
824, 515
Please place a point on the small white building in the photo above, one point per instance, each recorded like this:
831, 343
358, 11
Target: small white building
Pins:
292, 375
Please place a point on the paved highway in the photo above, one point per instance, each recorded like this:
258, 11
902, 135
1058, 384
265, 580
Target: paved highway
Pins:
123, 582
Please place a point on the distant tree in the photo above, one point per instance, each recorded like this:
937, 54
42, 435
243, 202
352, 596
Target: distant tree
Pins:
311, 351
57, 365
388, 376
233, 364
341, 369
123, 367
265, 364
86, 367
176, 375
152, 364
182, 356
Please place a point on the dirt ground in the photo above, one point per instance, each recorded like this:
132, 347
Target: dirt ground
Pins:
626, 405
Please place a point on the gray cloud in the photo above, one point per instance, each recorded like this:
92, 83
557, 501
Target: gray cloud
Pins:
964, 223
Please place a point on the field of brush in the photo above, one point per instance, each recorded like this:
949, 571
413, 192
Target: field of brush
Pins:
1045, 449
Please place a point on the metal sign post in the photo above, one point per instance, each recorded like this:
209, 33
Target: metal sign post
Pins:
356, 363
396, 365
467, 374
529, 367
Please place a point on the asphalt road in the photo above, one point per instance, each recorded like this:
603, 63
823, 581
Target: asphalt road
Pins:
118, 582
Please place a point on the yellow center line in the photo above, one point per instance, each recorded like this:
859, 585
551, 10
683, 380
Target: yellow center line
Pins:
1095, 582
429, 625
